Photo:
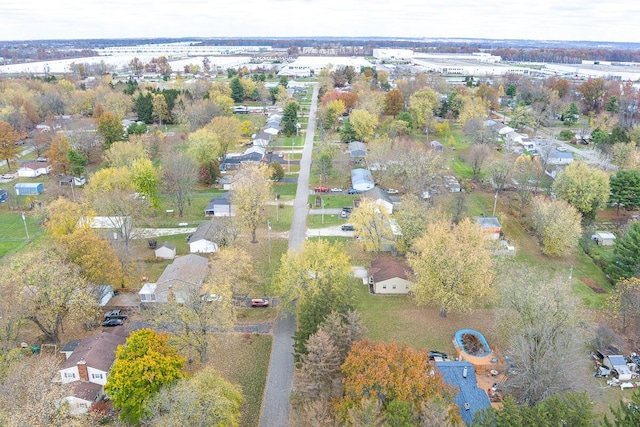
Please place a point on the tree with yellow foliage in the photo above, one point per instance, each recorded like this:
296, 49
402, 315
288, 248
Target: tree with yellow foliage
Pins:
453, 266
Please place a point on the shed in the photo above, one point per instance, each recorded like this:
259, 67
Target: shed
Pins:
28, 188
619, 365
604, 238
470, 398
361, 179
3, 195
166, 251
436, 146
490, 226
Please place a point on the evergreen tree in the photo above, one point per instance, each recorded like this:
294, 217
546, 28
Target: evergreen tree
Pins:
625, 189
237, 90
626, 255
347, 132
290, 117
144, 107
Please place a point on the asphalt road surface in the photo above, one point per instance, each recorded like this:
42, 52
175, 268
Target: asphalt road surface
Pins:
275, 404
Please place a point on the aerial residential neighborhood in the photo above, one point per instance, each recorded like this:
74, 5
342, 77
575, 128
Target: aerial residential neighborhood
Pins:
330, 231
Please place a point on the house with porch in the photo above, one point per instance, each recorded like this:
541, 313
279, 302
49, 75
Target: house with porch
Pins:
183, 274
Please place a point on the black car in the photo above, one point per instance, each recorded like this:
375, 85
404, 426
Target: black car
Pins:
438, 354
348, 227
113, 322
353, 191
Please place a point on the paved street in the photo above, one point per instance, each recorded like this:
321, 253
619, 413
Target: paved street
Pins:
275, 405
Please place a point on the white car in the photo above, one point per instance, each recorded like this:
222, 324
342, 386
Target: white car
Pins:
7, 176
561, 148
211, 298
392, 191
336, 190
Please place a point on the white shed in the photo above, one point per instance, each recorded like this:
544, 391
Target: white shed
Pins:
166, 251
604, 238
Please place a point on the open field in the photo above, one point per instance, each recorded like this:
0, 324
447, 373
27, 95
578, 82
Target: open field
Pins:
13, 235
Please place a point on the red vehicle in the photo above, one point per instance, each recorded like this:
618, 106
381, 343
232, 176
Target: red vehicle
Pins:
320, 189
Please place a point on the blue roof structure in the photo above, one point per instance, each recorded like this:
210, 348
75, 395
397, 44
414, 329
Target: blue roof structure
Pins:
361, 179
469, 398
561, 155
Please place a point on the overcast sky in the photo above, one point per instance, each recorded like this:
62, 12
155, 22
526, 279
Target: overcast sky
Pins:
515, 19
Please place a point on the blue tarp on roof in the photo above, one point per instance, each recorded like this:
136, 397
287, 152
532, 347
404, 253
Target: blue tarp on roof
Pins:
468, 391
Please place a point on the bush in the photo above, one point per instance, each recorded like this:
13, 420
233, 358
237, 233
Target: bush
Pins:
566, 135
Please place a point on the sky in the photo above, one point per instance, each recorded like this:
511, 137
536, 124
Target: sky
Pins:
494, 19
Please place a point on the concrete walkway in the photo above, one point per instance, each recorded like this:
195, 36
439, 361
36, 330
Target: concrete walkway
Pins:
275, 404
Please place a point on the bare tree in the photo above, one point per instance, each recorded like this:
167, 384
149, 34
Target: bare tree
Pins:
477, 156
541, 321
179, 177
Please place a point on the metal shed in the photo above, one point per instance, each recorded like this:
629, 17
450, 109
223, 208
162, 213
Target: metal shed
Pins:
28, 188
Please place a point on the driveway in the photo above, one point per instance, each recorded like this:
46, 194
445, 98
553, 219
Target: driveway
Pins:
275, 404
335, 230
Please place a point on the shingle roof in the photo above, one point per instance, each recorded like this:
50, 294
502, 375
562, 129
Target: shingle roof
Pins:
202, 231
34, 165
86, 390
168, 245
189, 268
385, 268
468, 391
98, 351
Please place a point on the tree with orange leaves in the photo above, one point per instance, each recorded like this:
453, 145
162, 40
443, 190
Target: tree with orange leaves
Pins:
395, 376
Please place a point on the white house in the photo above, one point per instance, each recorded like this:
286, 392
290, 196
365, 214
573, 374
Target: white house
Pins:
220, 206
33, 169
361, 179
388, 275
200, 241
88, 366
177, 278
166, 251
381, 198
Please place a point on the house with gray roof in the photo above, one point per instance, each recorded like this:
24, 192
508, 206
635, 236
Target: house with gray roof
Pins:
183, 274
361, 179
357, 149
201, 240
219, 206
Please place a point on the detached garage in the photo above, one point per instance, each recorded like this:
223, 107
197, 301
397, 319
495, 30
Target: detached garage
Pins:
361, 179
28, 188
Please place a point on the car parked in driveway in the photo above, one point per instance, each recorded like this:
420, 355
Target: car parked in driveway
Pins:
211, 298
259, 302
336, 190
115, 314
392, 191
320, 189
347, 227
561, 148
113, 322
7, 176
353, 191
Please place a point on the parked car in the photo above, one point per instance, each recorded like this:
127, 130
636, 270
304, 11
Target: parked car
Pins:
113, 322
345, 214
347, 227
41, 159
320, 189
392, 191
561, 148
347, 208
212, 297
336, 190
115, 314
7, 176
433, 355
353, 191
260, 302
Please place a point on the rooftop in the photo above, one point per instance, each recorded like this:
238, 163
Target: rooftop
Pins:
98, 351
385, 268
470, 398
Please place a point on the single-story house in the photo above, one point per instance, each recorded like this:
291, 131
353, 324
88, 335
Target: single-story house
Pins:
381, 199
604, 238
272, 130
490, 226
470, 398
200, 241
361, 179
357, 149
389, 275
3, 195
28, 188
183, 273
261, 140
88, 365
166, 251
560, 158
436, 146
219, 206
253, 154
618, 364
33, 169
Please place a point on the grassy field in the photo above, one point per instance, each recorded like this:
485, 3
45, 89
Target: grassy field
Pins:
244, 360
13, 235
333, 201
315, 221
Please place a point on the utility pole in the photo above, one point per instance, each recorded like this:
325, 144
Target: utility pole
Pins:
24, 221
495, 202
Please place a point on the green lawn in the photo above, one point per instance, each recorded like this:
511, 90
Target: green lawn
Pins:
280, 219
12, 230
333, 201
315, 221
287, 190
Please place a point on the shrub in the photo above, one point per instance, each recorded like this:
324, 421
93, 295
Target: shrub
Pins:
566, 135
